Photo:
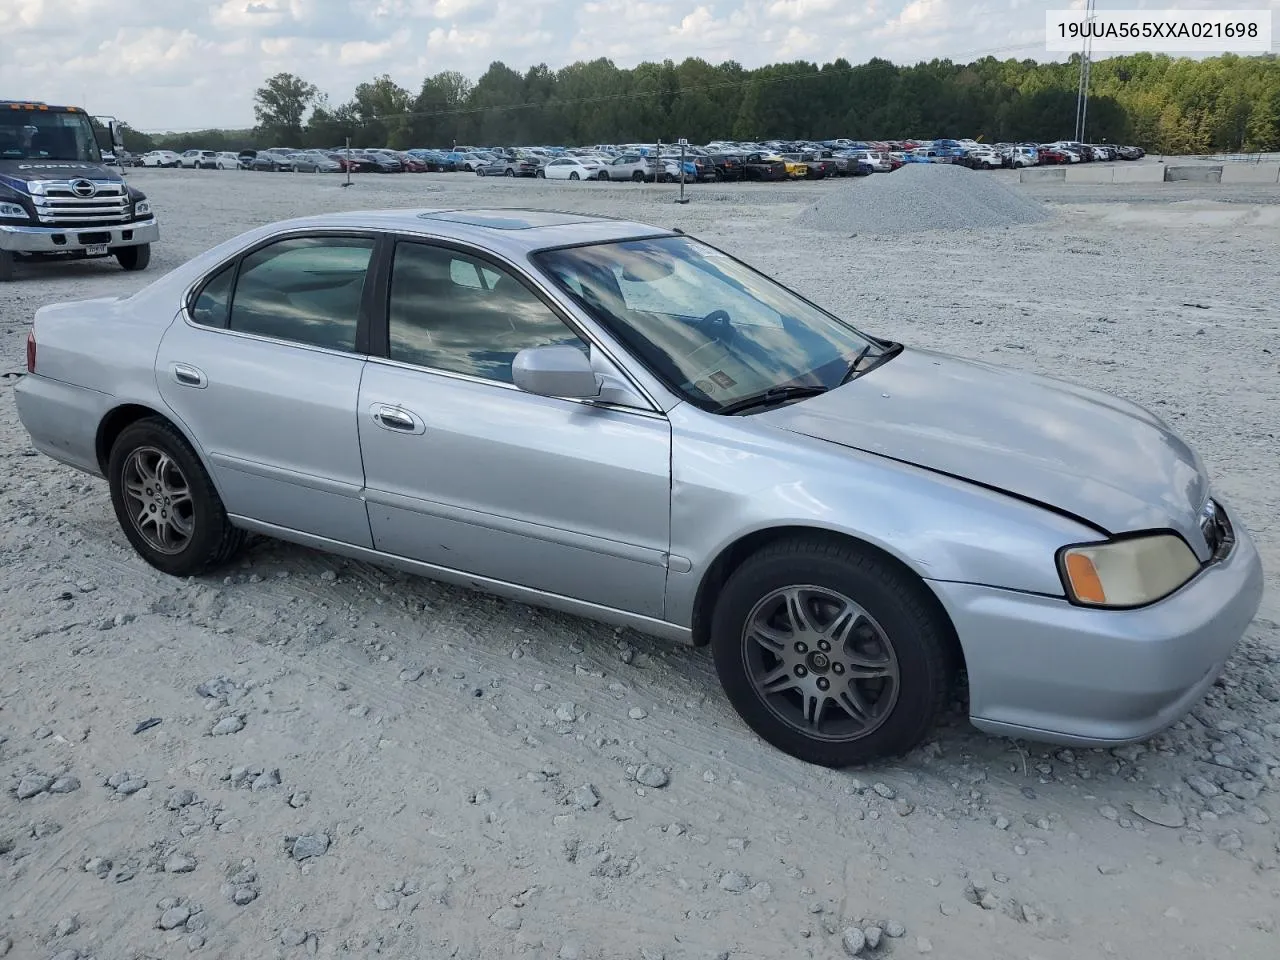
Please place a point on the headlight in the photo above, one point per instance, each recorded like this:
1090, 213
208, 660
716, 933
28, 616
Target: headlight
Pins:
1126, 573
142, 208
12, 211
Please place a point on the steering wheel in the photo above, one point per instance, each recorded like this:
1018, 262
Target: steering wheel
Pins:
718, 324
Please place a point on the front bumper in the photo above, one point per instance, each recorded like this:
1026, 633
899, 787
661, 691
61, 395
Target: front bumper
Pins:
72, 239
1042, 668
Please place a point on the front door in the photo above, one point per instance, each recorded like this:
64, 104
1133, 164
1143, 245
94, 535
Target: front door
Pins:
466, 471
264, 370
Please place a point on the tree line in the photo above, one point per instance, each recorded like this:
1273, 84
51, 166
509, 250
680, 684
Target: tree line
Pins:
1165, 104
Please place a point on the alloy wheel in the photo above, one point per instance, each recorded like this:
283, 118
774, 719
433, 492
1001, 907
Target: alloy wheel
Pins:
820, 663
159, 500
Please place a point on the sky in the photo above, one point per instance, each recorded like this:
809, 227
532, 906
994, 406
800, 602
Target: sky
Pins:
195, 64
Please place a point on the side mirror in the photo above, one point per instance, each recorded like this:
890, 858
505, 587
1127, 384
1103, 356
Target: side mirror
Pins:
555, 371
117, 136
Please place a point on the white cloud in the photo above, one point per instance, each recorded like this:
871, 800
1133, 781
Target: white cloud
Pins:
183, 64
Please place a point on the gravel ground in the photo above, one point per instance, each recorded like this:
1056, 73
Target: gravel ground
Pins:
307, 756
923, 196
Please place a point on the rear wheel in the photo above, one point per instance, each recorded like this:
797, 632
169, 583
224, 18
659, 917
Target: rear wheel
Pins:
510, 172
573, 175
165, 502
134, 258
479, 171
541, 175
638, 177
829, 652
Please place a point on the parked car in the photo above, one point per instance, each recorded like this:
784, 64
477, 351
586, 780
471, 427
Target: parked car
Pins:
573, 168
314, 161
358, 163
227, 160
758, 166
847, 526
728, 166
160, 158
508, 167
199, 159
273, 161
632, 166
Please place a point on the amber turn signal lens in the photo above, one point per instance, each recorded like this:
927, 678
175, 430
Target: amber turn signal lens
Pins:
1085, 582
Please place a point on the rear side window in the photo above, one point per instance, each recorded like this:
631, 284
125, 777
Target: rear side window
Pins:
210, 308
305, 289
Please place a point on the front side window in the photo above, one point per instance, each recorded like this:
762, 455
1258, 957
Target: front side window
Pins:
714, 329
454, 312
305, 289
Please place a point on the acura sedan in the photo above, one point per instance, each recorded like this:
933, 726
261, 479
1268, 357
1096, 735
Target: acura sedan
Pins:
623, 422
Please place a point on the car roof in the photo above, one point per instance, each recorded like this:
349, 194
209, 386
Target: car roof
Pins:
510, 230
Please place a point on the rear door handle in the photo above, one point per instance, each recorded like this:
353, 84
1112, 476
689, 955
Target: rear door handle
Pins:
188, 376
396, 418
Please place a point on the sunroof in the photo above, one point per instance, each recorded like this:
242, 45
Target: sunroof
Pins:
506, 219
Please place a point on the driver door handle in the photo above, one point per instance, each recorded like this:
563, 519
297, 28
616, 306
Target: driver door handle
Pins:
396, 418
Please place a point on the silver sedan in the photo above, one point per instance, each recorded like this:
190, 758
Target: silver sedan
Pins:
620, 421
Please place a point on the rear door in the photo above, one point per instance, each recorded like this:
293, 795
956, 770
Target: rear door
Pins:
263, 366
466, 471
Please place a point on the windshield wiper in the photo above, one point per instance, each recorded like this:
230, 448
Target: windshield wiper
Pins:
771, 396
857, 362
890, 351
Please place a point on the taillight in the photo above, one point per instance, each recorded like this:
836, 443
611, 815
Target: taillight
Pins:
31, 351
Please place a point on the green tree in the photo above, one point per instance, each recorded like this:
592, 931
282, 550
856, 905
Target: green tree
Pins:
279, 106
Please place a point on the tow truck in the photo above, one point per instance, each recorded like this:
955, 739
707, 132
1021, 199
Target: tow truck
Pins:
58, 199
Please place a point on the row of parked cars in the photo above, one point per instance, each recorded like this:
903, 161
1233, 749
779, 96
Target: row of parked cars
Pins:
715, 161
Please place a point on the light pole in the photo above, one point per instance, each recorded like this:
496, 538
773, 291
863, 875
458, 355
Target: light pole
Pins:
1082, 91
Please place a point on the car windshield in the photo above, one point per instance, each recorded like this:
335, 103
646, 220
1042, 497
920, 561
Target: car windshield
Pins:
47, 135
715, 330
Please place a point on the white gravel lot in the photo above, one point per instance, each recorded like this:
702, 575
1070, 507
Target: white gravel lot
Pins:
418, 771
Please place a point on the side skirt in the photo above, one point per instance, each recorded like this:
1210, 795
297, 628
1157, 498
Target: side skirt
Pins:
510, 591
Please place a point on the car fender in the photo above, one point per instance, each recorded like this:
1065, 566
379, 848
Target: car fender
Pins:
732, 479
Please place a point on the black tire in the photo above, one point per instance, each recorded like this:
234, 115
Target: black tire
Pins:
604, 175
573, 175
134, 258
915, 637
213, 540
541, 175
7, 262
510, 172
638, 177
479, 171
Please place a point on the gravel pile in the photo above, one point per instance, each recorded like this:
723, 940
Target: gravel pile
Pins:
923, 196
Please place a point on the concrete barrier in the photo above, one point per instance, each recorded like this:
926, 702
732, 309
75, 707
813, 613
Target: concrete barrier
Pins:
1199, 174
1042, 175
1251, 173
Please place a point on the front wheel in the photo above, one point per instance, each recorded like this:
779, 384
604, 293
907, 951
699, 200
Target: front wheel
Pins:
830, 653
134, 258
165, 502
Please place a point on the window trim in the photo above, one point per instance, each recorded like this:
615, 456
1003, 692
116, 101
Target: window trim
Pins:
369, 301
380, 333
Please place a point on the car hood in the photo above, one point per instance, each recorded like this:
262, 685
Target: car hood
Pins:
1089, 454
